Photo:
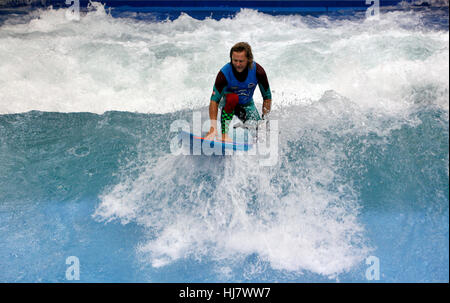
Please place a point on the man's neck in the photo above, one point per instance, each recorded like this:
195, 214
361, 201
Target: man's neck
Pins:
240, 76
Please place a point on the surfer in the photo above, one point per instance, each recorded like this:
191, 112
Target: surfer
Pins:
233, 91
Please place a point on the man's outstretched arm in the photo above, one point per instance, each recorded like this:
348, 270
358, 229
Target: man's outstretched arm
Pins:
213, 109
264, 87
217, 94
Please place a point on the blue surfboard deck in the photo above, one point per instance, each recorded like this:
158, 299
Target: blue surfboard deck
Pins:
199, 141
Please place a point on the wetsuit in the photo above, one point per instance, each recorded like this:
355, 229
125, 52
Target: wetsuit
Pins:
234, 92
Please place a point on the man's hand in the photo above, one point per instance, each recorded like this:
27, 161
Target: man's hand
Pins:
211, 135
266, 107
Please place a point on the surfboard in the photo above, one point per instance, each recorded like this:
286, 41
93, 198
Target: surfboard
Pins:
218, 145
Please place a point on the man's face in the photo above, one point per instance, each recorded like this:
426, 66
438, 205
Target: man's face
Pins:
239, 60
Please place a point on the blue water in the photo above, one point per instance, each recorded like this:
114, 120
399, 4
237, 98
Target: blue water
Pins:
358, 173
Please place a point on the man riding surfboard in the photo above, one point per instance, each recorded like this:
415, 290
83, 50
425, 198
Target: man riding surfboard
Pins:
233, 91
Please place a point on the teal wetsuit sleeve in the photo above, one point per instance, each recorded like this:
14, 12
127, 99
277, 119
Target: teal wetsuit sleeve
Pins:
265, 92
216, 95
219, 87
263, 82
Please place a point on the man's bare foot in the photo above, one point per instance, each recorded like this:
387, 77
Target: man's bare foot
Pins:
226, 138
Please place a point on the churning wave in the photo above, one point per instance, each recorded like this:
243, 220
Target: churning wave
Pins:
362, 156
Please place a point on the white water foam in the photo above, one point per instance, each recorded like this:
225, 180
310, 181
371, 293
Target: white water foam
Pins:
242, 212
297, 216
101, 63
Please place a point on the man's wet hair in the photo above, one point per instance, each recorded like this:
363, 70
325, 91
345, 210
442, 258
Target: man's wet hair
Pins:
240, 47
